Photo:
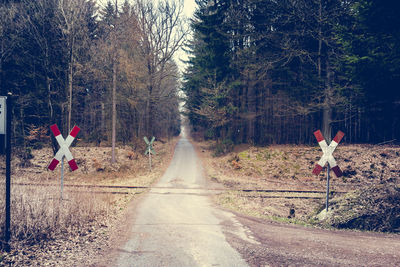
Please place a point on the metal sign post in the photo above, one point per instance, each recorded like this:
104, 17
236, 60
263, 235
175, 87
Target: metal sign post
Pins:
62, 178
5, 128
150, 160
327, 157
63, 151
149, 149
328, 169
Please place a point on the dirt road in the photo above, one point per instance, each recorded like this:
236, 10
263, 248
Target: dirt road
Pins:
176, 224
293, 245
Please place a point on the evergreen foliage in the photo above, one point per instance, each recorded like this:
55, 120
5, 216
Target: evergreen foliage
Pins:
264, 71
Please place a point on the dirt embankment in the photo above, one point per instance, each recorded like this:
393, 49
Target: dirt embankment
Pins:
372, 208
289, 168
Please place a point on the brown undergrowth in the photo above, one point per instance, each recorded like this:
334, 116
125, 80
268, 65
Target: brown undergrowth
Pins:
46, 230
372, 208
289, 167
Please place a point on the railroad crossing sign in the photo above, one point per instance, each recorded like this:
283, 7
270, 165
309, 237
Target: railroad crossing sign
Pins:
64, 147
327, 153
149, 148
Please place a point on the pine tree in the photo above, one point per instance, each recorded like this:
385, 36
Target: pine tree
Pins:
373, 44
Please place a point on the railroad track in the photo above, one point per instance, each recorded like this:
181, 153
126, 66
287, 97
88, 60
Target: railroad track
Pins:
251, 193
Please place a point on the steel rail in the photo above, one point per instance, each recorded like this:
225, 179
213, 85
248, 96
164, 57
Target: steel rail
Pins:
177, 188
286, 197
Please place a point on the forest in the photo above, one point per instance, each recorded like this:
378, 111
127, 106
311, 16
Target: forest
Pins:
259, 71
107, 68
272, 72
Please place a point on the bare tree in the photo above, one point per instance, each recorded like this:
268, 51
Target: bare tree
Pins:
8, 13
114, 86
73, 28
162, 34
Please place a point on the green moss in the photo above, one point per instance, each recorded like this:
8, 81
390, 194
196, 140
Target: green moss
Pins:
244, 154
268, 155
259, 157
290, 220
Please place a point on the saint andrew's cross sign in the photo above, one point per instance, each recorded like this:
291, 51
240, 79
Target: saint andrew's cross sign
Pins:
64, 147
327, 153
149, 144
149, 149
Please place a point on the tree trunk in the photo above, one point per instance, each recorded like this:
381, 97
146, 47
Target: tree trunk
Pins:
319, 38
148, 111
114, 107
114, 90
103, 118
70, 79
327, 109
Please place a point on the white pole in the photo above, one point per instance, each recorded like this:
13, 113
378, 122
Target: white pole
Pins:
62, 176
328, 169
150, 159
327, 186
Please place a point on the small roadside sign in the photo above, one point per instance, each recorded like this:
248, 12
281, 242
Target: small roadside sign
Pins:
149, 149
64, 147
327, 157
327, 153
63, 151
3, 112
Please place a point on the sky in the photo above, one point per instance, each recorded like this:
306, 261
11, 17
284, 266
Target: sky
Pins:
189, 7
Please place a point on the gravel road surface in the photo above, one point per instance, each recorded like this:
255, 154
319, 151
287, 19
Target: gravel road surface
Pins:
294, 245
176, 223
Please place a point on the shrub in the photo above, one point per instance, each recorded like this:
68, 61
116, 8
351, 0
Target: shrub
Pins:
224, 147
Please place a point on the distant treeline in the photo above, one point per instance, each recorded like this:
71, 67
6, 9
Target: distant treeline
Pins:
267, 71
66, 61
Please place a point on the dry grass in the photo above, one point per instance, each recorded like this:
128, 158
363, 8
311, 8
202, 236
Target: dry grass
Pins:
290, 167
39, 215
372, 208
47, 231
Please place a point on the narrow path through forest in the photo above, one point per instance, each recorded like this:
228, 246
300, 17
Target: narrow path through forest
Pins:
180, 226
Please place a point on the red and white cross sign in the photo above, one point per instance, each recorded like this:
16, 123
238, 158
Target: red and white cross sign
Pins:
64, 147
328, 151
